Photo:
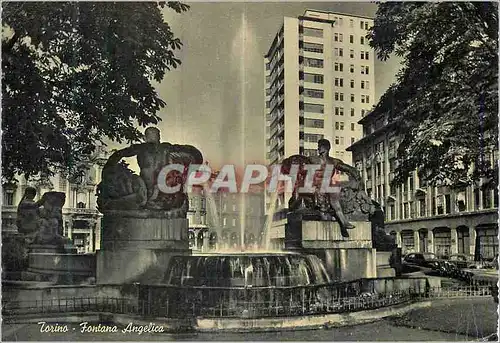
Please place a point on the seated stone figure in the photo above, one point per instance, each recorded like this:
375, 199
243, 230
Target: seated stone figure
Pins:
350, 203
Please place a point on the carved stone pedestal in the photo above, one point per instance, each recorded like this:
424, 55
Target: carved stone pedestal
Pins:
344, 258
59, 265
137, 246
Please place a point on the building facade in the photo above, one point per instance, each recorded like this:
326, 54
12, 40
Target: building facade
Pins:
443, 220
197, 218
319, 82
81, 220
236, 220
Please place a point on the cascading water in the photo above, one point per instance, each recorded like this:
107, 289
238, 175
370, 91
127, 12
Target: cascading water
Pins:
243, 270
212, 207
269, 220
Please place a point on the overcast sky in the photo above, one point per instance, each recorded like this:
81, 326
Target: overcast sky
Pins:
218, 91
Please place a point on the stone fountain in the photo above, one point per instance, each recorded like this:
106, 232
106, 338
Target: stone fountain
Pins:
143, 227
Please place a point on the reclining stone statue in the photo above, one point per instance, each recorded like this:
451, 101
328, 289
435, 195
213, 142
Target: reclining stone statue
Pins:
122, 189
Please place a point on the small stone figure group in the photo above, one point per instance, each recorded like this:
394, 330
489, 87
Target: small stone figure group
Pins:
41, 221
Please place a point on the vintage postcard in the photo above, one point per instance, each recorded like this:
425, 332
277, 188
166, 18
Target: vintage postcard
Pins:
249, 171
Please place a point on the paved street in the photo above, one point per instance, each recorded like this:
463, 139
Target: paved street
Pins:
446, 320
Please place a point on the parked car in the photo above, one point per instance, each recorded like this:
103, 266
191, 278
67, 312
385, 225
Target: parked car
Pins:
462, 261
427, 260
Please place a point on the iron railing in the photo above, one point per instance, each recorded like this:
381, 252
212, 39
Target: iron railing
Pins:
225, 303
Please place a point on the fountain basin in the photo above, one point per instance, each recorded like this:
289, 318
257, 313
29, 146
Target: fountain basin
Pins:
246, 269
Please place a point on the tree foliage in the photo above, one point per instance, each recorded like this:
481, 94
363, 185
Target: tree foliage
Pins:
445, 98
77, 73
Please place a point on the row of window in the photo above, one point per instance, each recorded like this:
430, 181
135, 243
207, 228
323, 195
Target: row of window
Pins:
314, 138
339, 96
339, 125
314, 32
339, 37
314, 123
339, 52
319, 94
338, 66
318, 63
320, 108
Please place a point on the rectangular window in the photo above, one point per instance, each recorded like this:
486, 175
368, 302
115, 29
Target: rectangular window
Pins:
362, 54
362, 40
339, 82
314, 93
314, 78
366, 25
351, 69
352, 97
366, 55
338, 66
353, 140
352, 112
336, 96
352, 83
314, 123
341, 112
337, 125
363, 112
9, 198
336, 37
341, 125
313, 62
341, 67
367, 99
341, 96
337, 111
312, 32
341, 37
314, 108
342, 140
362, 24
351, 53
362, 99
312, 138
362, 84
351, 22
337, 140
352, 126
351, 39
367, 84
313, 47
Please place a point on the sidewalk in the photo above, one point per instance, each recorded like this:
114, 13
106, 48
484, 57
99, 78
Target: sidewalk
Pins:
474, 318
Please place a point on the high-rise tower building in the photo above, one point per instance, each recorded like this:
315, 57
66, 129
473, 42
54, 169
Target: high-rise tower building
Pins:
319, 83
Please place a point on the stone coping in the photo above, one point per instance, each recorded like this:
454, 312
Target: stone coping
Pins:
229, 324
147, 214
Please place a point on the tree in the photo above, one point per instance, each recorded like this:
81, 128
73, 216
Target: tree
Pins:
77, 73
445, 98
